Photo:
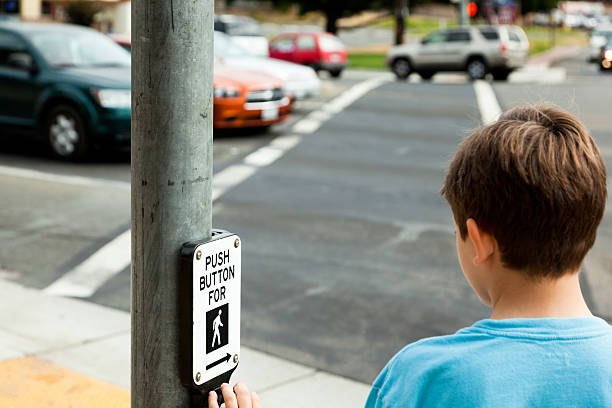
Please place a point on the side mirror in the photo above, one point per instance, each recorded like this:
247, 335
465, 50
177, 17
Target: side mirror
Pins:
23, 61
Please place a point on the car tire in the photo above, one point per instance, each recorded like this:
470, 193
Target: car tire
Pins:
64, 129
335, 73
501, 74
402, 68
426, 75
476, 68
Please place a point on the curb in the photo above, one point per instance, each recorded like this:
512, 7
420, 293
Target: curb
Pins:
554, 55
54, 347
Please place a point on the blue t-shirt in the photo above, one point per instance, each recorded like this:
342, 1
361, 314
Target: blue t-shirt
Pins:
503, 363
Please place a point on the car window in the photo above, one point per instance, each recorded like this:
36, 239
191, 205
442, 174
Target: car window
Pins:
455, 36
224, 46
86, 48
435, 38
330, 43
489, 33
10, 44
306, 42
283, 44
219, 26
243, 28
512, 36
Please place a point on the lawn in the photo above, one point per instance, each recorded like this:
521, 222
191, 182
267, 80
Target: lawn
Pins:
541, 39
367, 60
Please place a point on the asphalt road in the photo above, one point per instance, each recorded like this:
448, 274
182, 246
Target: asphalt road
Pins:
348, 250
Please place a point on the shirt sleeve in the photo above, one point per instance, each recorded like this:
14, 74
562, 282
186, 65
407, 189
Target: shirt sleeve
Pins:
375, 397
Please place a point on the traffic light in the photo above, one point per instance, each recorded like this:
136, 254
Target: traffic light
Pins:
472, 9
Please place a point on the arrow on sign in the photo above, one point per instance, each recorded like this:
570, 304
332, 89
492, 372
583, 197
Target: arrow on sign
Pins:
219, 361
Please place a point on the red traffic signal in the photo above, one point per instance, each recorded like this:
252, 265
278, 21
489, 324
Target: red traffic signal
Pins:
472, 9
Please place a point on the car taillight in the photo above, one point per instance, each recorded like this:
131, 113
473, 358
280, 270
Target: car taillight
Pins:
503, 48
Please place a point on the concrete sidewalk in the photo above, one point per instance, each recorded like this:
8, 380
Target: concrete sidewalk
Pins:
60, 352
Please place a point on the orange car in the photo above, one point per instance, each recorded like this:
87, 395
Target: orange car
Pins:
248, 99
241, 98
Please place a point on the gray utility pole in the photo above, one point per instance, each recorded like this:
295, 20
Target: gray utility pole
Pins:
463, 15
172, 76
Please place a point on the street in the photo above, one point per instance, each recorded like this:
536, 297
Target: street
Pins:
348, 247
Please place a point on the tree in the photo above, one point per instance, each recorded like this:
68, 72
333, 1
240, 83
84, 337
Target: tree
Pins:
401, 7
336, 9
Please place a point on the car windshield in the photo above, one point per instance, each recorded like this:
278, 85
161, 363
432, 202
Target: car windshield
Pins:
225, 47
607, 34
88, 49
330, 43
244, 27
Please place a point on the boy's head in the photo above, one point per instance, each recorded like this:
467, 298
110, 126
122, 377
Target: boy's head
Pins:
536, 182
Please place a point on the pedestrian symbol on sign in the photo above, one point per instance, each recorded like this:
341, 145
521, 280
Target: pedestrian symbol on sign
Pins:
216, 328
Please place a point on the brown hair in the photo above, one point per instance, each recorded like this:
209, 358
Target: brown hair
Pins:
536, 181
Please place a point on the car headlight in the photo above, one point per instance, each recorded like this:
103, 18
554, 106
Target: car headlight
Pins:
608, 54
225, 92
113, 98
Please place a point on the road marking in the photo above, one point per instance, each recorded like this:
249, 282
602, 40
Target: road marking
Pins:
61, 178
487, 102
88, 276
84, 280
315, 119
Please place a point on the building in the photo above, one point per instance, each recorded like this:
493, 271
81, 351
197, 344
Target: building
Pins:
111, 15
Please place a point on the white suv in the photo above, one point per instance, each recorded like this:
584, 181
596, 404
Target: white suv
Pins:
475, 50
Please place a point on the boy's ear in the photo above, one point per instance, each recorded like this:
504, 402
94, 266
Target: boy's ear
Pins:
483, 242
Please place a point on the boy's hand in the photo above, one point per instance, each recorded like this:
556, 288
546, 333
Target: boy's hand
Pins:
239, 397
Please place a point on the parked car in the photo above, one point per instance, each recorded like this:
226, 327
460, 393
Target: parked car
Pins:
599, 37
476, 50
67, 85
245, 31
605, 57
124, 40
300, 81
248, 99
321, 51
244, 98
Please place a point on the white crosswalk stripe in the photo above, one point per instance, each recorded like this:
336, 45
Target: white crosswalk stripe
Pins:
84, 280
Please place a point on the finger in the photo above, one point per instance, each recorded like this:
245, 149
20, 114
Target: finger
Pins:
256, 400
212, 400
243, 395
229, 396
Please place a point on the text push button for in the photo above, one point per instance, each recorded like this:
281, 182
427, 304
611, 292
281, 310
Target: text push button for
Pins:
216, 306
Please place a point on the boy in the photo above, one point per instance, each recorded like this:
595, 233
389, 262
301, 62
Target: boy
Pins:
527, 194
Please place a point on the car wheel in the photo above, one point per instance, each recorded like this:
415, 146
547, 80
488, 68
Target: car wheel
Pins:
476, 69
501, 74
401, 68
426, 75
335, 73
65, 131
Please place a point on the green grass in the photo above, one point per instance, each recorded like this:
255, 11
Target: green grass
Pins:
418, 26
542, 39
367, 60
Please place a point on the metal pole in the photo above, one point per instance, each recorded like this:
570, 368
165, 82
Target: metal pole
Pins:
172, 71
463, 16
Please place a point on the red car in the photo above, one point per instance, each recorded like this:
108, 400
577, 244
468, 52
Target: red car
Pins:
322, 51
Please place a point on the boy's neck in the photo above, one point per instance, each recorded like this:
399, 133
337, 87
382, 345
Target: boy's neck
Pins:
516, 296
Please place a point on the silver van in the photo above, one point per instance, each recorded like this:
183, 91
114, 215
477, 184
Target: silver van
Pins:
477, 50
